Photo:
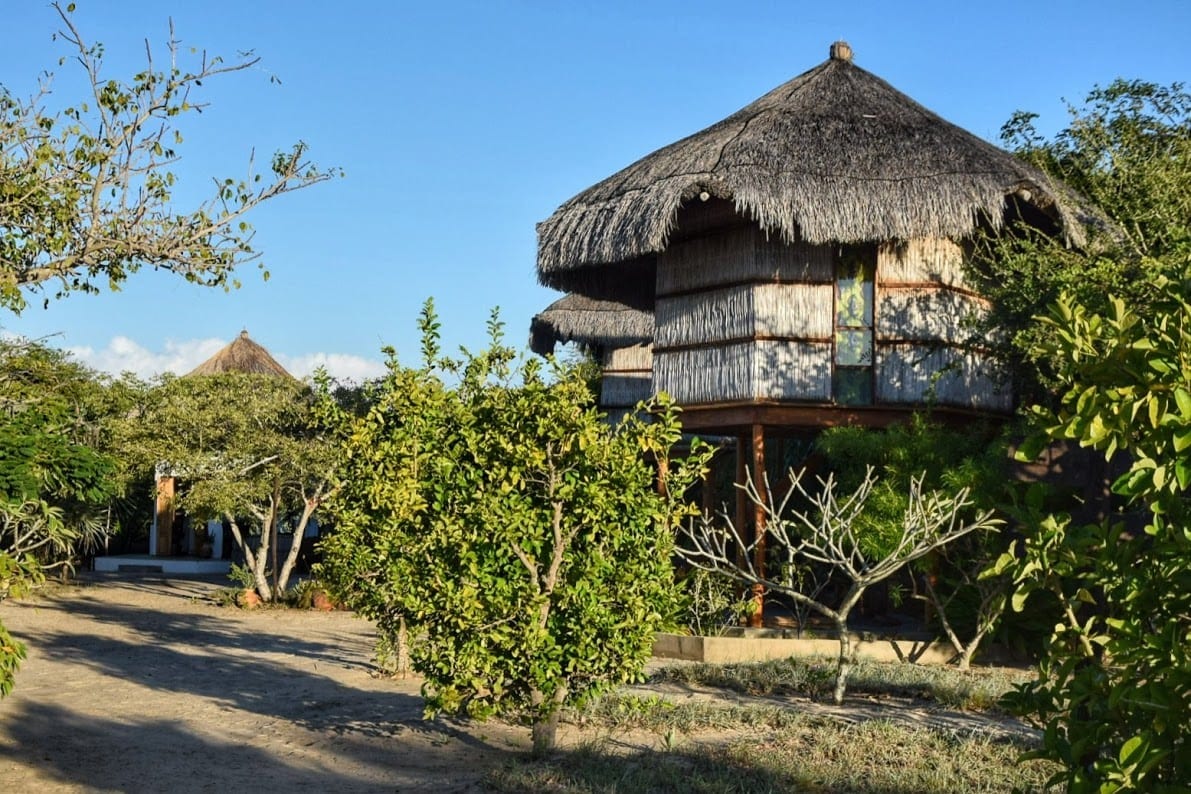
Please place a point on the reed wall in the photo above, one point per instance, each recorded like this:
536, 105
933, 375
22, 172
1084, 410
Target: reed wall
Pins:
627, 375
739, 254
930, 260
916, 374
927, 314
793, 311
745, 371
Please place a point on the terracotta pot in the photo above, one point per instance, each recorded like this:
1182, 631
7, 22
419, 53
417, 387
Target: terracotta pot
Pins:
249, 599
322, 602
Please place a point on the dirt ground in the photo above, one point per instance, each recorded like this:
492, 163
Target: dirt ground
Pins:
145, 685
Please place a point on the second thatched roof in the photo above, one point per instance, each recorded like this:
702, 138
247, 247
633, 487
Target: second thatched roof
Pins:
592, 323
834, 155
241, 355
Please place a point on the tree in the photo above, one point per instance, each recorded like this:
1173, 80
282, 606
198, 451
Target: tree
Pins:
247, 449
1114, 691
86, 191
827, 531
524, 538
55, 479
1126, 154
1114, 688
967, 604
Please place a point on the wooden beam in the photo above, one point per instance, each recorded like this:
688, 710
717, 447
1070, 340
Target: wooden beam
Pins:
757, 619
165, 517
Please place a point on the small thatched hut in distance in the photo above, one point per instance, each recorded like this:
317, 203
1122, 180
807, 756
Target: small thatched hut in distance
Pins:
241, 355
618, 336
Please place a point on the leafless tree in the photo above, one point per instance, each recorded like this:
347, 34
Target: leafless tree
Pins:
822, 529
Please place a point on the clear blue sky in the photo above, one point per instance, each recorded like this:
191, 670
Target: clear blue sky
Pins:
462, 124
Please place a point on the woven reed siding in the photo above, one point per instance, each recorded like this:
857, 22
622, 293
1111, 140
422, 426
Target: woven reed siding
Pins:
913, 374
792, 371
624, 389
703, 375
934, 259
739, 254
799, 311
704, 317
927, 314
795, 371
632, 357
794, 310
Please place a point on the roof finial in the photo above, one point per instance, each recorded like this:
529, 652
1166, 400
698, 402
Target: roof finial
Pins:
841, 51
244, 333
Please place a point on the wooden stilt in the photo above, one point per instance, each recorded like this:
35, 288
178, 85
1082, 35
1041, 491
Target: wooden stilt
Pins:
164, 539
757, 619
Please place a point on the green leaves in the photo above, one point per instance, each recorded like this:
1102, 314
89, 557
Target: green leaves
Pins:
86, 197
523, 536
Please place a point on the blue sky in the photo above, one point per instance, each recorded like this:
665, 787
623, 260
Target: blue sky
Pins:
459, 125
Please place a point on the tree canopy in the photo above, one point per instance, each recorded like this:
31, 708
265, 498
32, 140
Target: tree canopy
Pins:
87, 190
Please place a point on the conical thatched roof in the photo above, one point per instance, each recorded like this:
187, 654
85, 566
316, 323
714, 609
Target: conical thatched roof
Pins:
242, 355
834, 155
593, 323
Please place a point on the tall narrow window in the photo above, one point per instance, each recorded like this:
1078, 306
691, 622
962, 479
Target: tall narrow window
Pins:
855, 267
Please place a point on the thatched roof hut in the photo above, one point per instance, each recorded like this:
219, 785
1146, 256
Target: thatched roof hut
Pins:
594, 324
241, 355
835, 155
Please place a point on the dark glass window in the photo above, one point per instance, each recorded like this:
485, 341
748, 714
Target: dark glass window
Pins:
855, 269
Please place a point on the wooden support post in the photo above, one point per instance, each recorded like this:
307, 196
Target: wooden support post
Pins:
164, 538
741, 516
757, 619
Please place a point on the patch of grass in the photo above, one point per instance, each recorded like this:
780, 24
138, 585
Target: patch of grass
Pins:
972, 690
820, 756
654, 713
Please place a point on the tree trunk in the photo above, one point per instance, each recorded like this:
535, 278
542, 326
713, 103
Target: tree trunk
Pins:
545, 720
402, 647
261, 560
845, 661
251, 559
291, 559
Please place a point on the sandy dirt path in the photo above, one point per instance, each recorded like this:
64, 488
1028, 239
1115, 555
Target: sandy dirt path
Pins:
145, 685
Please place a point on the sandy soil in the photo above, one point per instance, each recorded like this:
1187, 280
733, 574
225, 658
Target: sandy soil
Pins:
144, 685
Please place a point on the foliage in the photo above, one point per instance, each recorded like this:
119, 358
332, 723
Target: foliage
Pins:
1107, 327
1115, 686
246, 448
713, 603
522, 536
823, 528
56, 481
1127, 152
86, 192
944, 458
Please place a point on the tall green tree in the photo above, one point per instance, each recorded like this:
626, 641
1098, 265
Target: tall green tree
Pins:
248, 449
56, 478
86, 190
1114, 692
1126, 154
524, 538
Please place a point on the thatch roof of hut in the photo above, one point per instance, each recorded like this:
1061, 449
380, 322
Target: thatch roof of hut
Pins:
834, 155
592, 323
241, 355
